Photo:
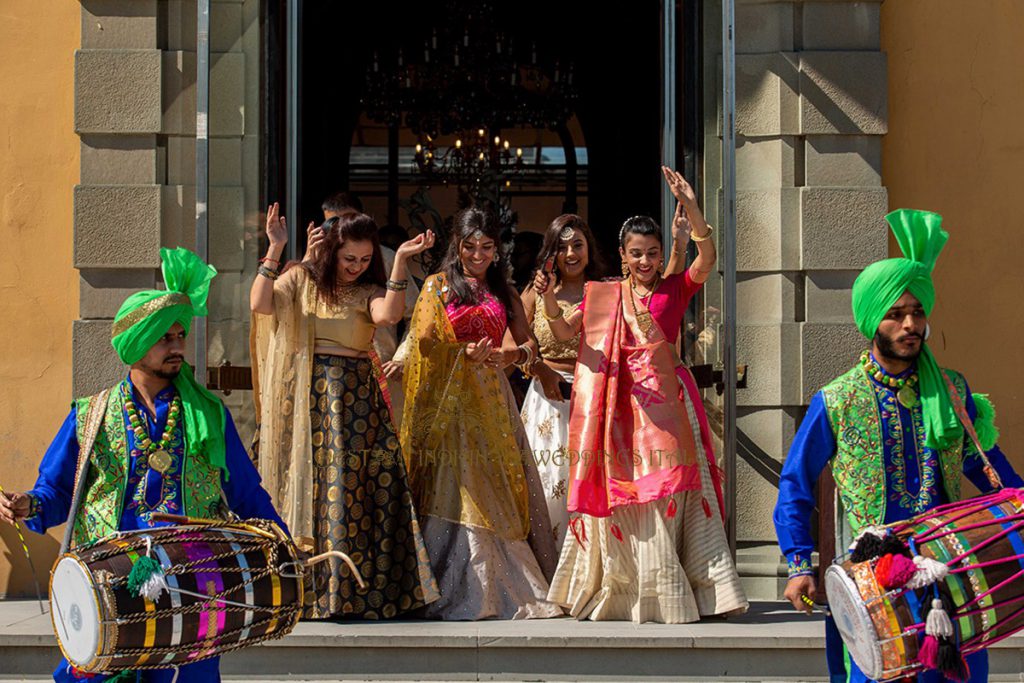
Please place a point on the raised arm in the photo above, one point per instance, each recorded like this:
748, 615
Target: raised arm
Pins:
688, 223
261, 296
388, 309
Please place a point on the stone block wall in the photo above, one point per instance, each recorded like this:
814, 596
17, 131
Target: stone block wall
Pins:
135, 114
811, 107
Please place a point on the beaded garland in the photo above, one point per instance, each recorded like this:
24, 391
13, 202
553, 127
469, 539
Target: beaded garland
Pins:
156, 453
905, 387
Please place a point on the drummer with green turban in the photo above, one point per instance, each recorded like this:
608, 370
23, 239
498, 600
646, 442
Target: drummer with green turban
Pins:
157, 442
896, 429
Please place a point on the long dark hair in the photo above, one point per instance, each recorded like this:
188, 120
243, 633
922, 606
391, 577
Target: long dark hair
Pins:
323, 270
467, 222
640, 225
552, 241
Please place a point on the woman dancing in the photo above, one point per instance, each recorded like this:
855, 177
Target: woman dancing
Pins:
473, 478
649, 543
570, 254
328, 450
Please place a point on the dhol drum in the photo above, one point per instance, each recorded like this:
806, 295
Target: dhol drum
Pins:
921, 594
174, 595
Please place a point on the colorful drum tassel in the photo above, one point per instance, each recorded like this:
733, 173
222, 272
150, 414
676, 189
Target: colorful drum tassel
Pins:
147, 579
894, 571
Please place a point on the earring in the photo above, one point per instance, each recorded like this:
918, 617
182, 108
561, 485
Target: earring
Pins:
625, 269
927, 331
661, 268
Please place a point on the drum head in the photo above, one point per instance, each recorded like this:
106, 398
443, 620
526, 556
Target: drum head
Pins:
76, 612
853, 621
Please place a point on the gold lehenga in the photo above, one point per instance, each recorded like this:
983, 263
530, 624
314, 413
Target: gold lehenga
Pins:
474, 482
330, 459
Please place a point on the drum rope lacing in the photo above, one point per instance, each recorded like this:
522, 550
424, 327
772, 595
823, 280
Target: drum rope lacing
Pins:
283, 613
288, 613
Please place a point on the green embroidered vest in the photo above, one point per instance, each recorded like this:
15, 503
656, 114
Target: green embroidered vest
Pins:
858, 465
99, 513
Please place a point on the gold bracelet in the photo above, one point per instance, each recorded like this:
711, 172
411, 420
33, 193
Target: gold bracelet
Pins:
701, 239
549, 318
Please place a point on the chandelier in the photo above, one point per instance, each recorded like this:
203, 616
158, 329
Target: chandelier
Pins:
477, 159
469, 80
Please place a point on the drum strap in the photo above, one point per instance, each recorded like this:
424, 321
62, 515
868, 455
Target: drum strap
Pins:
93, 421
965, 420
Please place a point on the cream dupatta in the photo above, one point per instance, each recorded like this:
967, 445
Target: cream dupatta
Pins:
629, 439
458, 437
281, 347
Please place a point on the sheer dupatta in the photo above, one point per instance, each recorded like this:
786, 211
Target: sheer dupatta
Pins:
281, 346
463, 460
629, 439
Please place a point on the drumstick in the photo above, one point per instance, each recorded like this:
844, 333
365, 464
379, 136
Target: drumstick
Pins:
316, 559
28, 556
813, 605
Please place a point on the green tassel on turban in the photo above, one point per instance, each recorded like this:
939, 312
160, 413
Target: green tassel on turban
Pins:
146, 316
880, 285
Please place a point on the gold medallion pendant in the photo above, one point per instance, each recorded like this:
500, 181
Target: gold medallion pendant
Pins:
161, 461
907, 396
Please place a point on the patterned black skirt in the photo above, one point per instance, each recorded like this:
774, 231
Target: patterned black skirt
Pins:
362, 503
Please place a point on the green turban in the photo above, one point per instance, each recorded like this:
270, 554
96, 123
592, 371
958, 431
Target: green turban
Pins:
146, 316
880, 285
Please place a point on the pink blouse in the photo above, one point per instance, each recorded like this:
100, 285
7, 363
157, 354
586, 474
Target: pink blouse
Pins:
475, 322
668, 303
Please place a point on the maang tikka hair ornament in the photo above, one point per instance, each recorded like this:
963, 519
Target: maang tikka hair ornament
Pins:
566, 234
478, 234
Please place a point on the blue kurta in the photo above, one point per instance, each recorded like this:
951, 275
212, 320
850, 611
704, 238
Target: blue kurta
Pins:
147, 492
913, 484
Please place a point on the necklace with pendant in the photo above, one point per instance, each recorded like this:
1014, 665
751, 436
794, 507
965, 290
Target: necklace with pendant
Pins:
643, 318
156, 453
905, 387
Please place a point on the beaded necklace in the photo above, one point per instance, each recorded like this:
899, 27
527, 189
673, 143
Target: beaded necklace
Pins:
905, 387
156, 453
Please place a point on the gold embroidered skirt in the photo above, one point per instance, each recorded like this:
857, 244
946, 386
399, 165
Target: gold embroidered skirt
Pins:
362, 505
547, 428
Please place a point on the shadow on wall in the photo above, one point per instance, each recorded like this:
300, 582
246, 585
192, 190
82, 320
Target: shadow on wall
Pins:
44, 553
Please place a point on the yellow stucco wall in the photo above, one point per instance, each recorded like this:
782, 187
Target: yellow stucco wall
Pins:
39, 154
956, 146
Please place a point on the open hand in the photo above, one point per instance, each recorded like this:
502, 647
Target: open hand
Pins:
277, 228
315, 235
682, 191
479, 352
417, 245
393, 369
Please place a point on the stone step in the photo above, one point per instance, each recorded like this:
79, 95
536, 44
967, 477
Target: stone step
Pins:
770, 643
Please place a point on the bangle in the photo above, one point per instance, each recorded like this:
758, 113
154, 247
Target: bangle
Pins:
524, 365
706, 236
397, 285
268, 272
33, 506
549, 318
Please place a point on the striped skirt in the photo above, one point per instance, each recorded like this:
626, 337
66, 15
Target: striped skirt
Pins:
665, 561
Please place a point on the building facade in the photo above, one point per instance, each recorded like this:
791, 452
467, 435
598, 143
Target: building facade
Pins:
836, 123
